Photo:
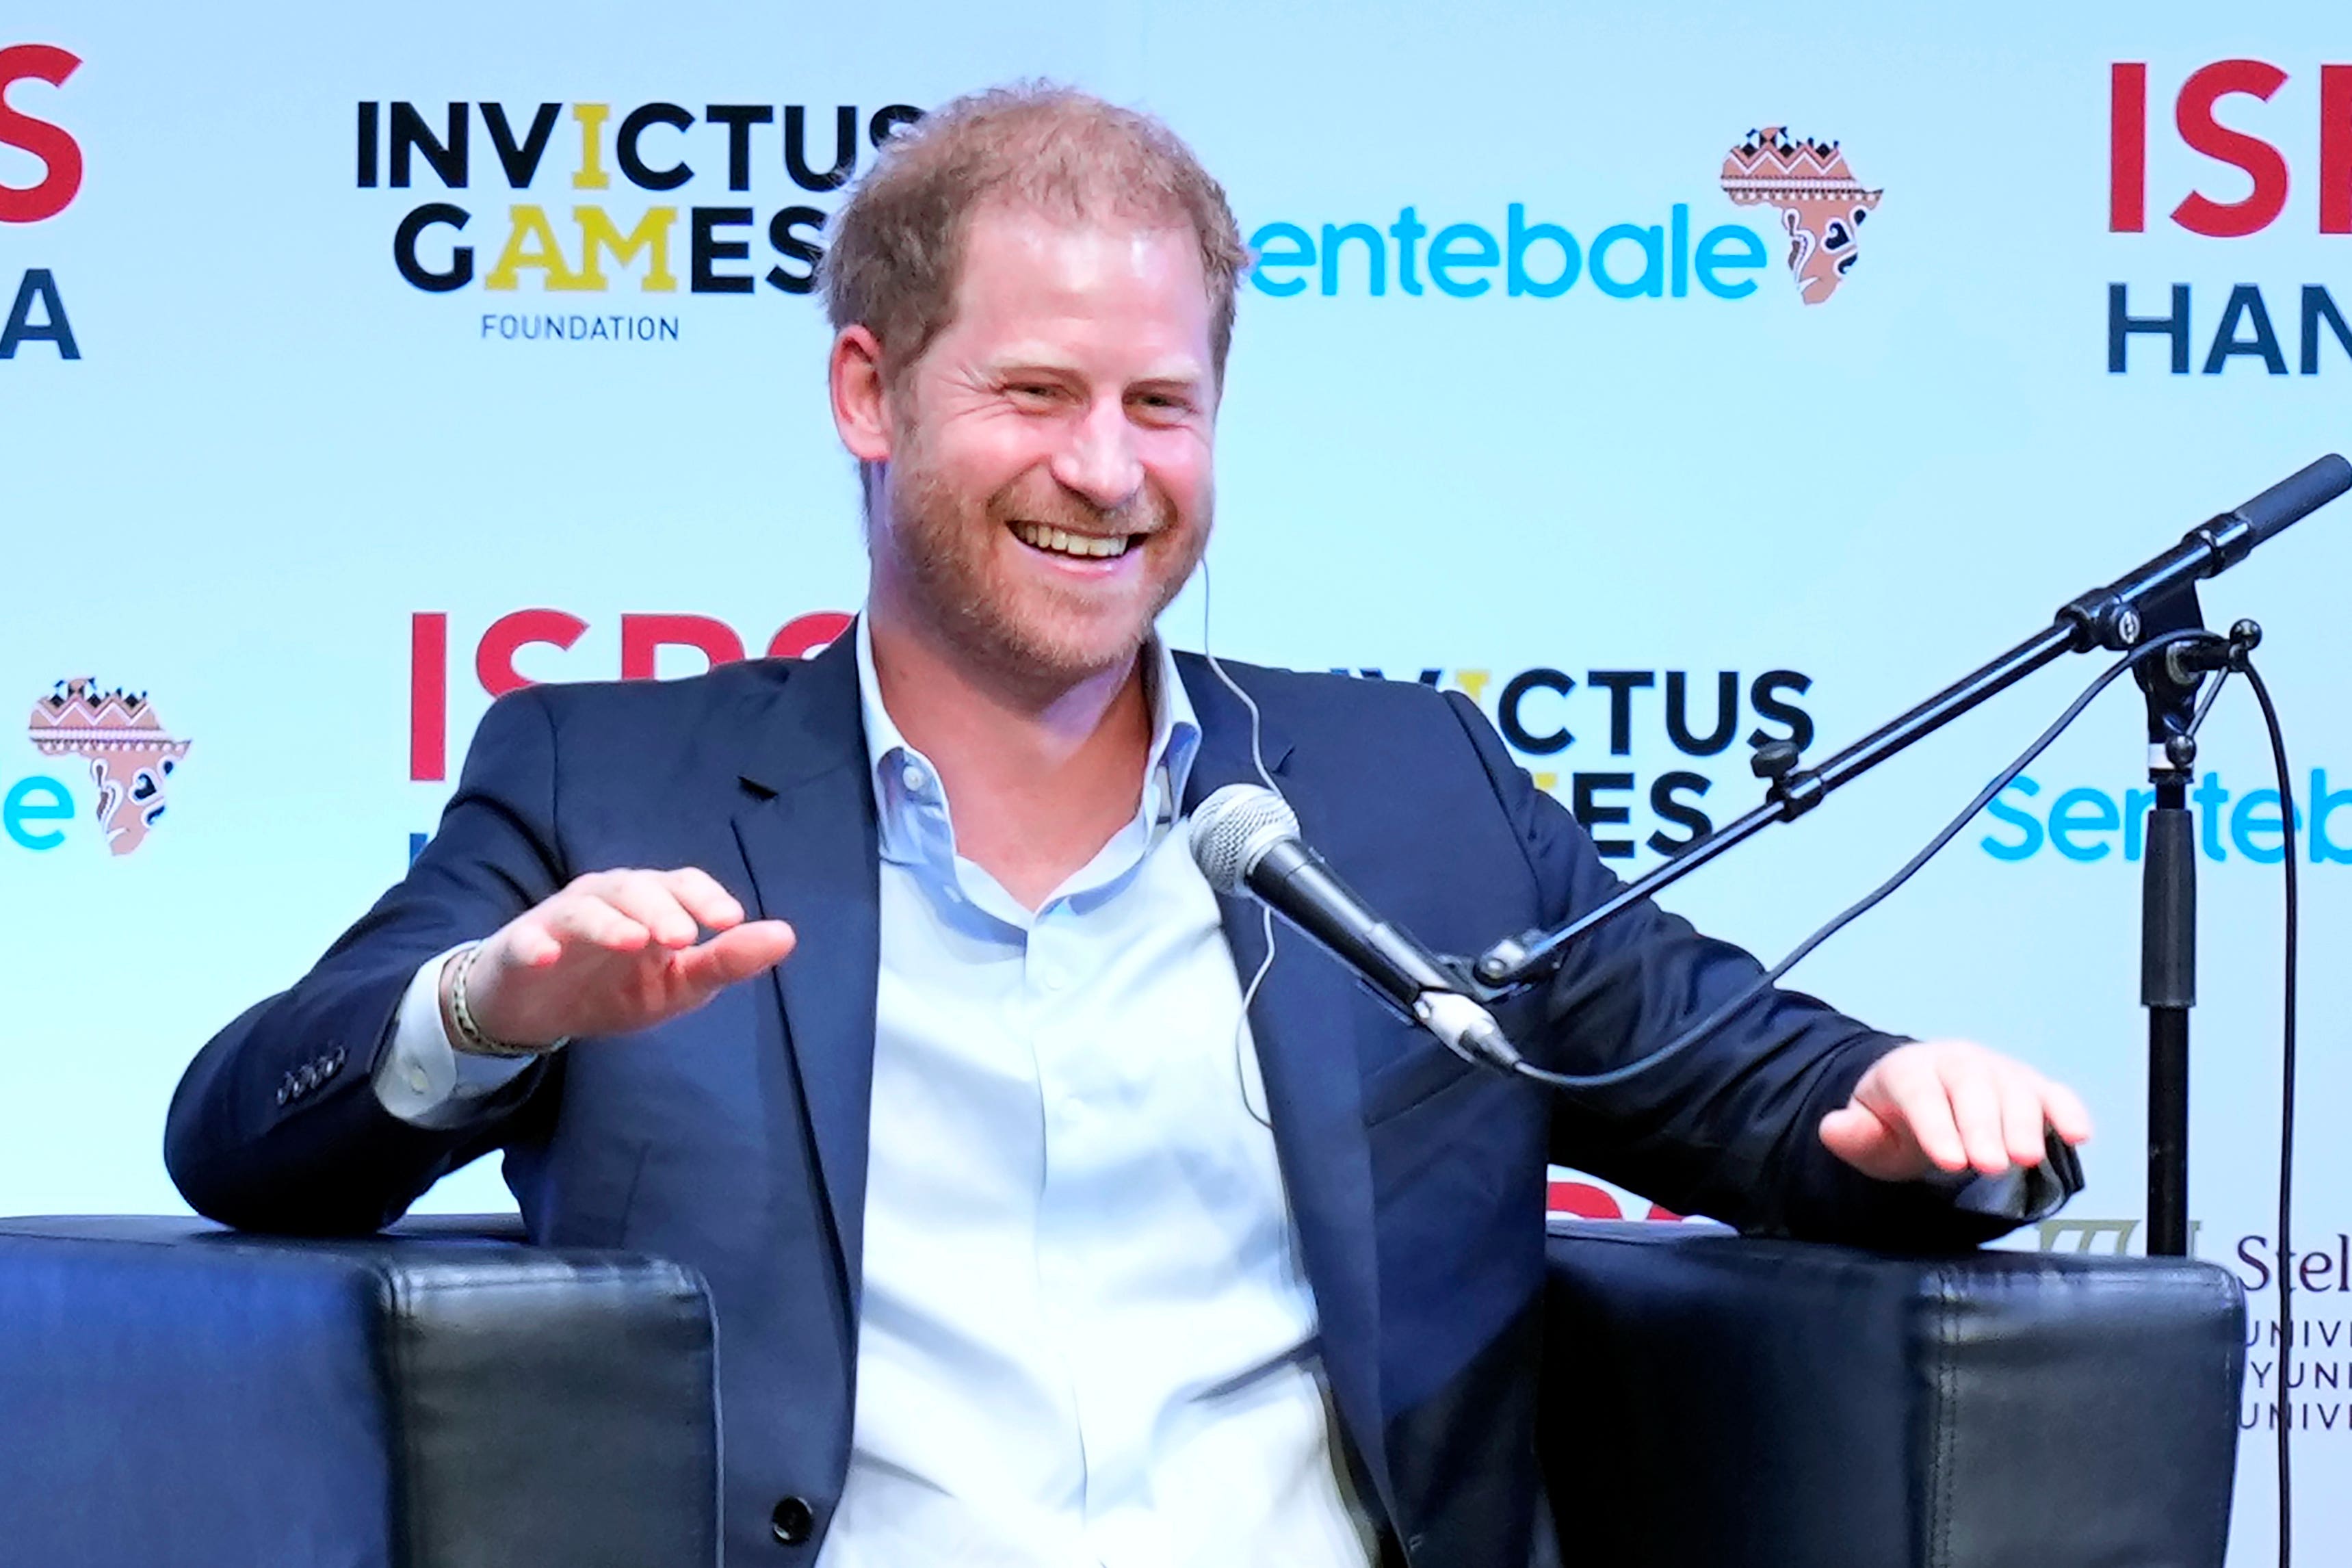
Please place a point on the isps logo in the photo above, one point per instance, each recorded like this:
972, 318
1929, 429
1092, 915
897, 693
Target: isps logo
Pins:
2142, 158
653, 194
552, 634
36, 312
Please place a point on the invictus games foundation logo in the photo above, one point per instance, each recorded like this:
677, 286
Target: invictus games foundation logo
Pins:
1821, 204
128, 752
563, 199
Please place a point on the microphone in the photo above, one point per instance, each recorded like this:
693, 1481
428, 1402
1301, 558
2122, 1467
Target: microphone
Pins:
2295, 497
1246, 841
2223, 540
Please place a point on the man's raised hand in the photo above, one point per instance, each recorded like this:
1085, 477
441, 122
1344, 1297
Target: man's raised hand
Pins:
612, 952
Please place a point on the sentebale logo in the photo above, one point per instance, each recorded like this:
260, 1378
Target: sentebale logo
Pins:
1822, 204
129, 752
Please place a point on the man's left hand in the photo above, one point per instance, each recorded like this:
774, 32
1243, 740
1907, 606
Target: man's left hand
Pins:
1949, 1106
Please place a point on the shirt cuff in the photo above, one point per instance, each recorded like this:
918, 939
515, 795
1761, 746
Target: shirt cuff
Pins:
422, 1079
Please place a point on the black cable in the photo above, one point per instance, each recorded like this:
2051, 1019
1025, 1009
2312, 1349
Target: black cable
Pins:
1951, 829
2287, 1125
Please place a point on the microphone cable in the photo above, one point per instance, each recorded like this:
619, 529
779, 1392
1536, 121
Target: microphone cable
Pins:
1723, 1013
1871, 900
2286, 1116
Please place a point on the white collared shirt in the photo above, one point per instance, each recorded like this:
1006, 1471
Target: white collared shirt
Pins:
1085, 1338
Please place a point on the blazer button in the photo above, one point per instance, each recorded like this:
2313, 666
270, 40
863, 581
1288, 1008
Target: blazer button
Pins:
791, 1522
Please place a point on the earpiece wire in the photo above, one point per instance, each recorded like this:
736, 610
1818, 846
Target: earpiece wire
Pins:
1257, 760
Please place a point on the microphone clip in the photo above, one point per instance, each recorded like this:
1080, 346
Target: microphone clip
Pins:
2189, 661
1794, 789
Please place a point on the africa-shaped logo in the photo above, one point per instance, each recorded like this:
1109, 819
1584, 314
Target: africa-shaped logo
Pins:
125, 745
1822, 204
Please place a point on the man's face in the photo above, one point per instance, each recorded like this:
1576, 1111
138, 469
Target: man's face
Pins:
1049, 481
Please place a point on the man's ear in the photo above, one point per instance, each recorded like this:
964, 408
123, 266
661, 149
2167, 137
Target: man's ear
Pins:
861, 406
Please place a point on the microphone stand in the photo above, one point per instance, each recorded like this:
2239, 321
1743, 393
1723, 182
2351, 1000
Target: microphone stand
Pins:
2167, 929
2157, 597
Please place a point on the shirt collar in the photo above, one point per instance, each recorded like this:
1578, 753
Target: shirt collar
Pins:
911, 819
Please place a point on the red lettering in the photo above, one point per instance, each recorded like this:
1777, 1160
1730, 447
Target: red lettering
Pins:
2335, 149
1583, 1200
428, 697
2260, 162
642, 637
2126, 148
494, 656
50, 143
804, 635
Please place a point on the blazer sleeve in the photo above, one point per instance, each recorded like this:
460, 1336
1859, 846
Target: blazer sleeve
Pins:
246, 1147
1729, 1126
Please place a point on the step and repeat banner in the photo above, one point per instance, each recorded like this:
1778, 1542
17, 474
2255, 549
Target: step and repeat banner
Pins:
1668, 383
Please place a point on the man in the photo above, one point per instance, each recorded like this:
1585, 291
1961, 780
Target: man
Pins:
928, 1043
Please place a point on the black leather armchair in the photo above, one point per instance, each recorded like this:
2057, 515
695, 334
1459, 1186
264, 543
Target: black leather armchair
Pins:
1719, 1401
177, 1395
174, 1395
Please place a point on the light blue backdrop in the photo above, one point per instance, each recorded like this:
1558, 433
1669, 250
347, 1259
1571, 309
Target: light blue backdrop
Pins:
272, 453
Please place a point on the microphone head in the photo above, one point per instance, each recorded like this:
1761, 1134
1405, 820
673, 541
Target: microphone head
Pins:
1232, 830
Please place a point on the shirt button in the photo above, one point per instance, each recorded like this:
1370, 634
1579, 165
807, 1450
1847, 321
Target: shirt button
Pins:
1052, 980
791, 1521
417, 1080
914, 778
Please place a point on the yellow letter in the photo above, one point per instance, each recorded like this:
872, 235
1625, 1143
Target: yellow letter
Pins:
591, 175
530, 223
652, 233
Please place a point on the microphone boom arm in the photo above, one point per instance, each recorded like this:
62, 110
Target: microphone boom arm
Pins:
2158, 595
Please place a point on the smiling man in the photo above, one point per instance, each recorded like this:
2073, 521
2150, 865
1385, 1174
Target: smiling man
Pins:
1051, 1218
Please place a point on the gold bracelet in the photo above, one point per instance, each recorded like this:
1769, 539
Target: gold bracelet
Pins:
470, 1037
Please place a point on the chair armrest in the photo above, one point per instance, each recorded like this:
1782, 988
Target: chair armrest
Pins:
175, 1393
1712, 1400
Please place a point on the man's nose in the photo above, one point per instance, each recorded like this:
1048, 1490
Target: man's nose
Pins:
1099, 460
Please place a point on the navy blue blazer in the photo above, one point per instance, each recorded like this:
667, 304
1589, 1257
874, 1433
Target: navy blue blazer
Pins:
733, 1139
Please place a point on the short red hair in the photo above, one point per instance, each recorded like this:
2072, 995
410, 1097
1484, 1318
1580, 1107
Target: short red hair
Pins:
897, 246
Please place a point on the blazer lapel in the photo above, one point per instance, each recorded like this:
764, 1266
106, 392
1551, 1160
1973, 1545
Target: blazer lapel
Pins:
1301, 1022
808, 838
